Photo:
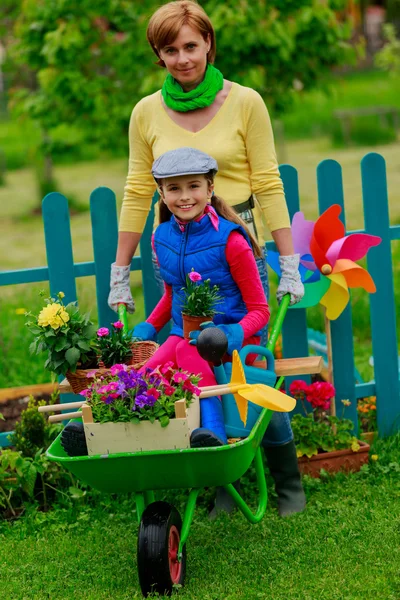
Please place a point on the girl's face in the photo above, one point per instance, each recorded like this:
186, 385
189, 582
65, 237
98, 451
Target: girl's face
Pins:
186, 58
186, 196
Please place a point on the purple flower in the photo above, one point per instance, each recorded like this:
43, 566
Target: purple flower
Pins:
109, 400
141, 401
151, 400
103, 331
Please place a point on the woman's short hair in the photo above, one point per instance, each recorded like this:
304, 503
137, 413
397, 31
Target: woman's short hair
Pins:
166, 22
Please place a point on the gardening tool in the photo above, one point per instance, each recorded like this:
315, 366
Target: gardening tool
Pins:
262, 395
162, 535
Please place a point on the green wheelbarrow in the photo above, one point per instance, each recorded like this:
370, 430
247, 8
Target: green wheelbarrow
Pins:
162, 536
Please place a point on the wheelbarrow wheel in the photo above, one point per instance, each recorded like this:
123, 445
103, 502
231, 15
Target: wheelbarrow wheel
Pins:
158, 542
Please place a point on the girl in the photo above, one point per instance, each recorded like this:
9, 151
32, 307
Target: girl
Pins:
199, 231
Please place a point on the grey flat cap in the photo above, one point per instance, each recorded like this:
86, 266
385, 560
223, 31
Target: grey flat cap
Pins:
183, 161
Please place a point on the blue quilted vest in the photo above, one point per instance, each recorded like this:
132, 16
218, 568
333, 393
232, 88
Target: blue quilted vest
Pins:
202, 248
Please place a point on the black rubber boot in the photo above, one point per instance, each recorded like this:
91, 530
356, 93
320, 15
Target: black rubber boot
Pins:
205, 438
284, 468
223, 501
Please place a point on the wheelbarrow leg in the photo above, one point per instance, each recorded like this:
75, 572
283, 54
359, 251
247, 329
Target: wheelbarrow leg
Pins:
263, 498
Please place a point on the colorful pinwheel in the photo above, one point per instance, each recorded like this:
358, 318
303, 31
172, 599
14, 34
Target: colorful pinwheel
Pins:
327, 257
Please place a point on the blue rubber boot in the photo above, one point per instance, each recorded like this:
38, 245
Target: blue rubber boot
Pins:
212, 430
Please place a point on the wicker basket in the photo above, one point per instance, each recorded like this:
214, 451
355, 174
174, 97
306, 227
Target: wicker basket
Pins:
141, 352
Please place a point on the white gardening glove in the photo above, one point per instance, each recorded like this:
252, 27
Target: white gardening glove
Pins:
120, 290
290, 282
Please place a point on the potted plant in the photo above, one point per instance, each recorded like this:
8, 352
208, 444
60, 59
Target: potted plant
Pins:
67, 336
128, 411
113, 345
324, 441
368, 425
200, 299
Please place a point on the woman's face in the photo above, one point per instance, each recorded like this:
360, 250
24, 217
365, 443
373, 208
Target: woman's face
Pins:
186, 196
186, 58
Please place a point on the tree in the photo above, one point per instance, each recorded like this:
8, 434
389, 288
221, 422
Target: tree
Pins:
92, 61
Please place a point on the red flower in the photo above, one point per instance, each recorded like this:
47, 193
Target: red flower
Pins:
153, 392
298, 388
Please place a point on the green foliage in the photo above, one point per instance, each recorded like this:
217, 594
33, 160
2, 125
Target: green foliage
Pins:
90, 63
388, 58
200, 298
33, 432
65, 334
113, 347
327, 434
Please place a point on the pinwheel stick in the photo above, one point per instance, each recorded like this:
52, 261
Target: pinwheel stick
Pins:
329, 359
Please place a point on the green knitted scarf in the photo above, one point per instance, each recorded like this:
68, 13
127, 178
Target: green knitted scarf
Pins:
203, 95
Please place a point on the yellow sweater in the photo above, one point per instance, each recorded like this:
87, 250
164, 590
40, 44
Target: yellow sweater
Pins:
239, 137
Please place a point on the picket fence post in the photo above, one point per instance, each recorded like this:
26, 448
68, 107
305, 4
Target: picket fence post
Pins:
383, 312
330, 191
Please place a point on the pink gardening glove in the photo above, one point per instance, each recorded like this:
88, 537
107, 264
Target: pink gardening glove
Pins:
120, 290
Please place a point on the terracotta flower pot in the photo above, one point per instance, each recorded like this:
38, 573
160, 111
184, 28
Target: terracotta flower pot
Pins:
333, 462
369, 436
192, 323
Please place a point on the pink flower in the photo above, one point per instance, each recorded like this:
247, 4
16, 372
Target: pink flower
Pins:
179, 377
197, 391
169, 390
118, 325
319, 394
298, 388
102, 331
85, 393
194, 276
153, 392
168, 366
91, 374
115, 369
188, 385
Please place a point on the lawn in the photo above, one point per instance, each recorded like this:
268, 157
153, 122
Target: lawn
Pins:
345, 546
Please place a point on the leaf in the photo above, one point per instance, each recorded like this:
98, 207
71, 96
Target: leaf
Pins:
76, 493
83, 345
164, 420
61, 344
72, 356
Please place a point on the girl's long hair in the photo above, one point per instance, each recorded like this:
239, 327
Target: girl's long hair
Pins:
223, 210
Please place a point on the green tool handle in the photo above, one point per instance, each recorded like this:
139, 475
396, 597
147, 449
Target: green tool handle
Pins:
123, 316
277, 326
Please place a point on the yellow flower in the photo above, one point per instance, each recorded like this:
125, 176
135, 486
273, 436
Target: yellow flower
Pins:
54, 315
355, 446
346, 402
20, 311
374, 457
61, 295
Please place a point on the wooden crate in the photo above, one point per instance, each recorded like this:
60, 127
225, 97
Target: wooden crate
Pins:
109, 438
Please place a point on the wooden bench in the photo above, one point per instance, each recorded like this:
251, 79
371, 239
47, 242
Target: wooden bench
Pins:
346, 116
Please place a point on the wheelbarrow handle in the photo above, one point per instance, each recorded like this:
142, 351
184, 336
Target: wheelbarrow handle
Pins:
123, 316
278, 322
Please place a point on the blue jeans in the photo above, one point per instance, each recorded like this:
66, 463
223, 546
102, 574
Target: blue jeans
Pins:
279, 431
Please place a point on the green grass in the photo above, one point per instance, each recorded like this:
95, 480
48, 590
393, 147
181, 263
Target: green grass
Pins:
311, 115
345, 546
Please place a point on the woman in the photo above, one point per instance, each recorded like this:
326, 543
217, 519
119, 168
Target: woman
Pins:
198, 108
